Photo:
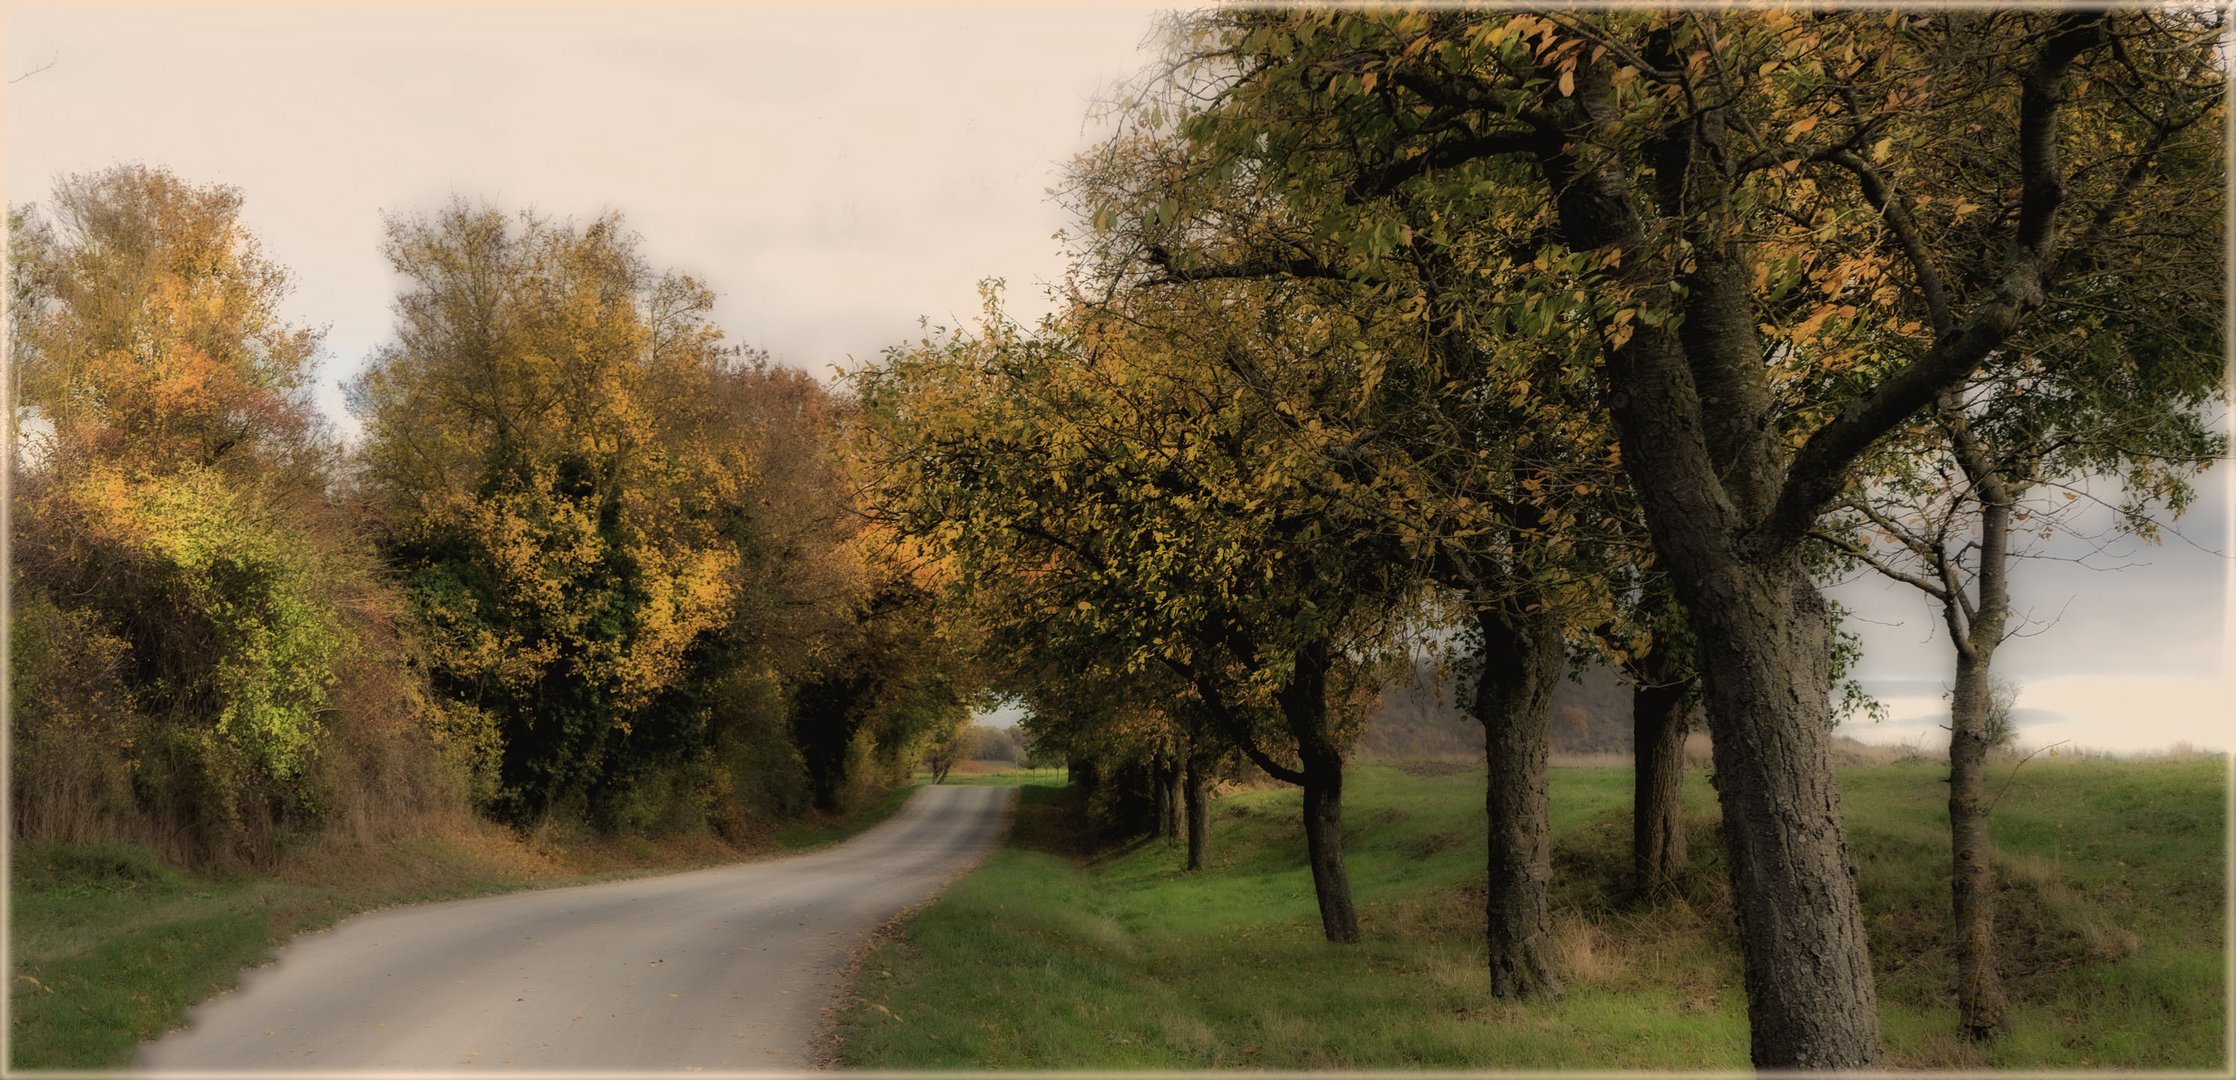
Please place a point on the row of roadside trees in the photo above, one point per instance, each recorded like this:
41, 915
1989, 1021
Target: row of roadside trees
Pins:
1604, 335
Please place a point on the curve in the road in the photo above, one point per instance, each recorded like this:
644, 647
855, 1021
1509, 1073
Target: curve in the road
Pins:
721, 969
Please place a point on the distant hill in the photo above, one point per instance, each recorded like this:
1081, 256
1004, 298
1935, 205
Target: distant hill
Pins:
1422, 718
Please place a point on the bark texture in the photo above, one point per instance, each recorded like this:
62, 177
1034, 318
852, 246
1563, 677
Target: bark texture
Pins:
1659, 724
1707, 484
1198, 797
1323, 841
1304, 704
1811, 997
1972, 879
1522, 658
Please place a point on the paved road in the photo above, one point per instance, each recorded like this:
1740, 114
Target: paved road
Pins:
720, 969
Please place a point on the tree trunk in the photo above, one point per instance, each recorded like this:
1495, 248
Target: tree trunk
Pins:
1659, 725
1323, 842
1198, 798
1522, 655
1971, 875
1765, 652
1165, 775
1304, 705
1972, 879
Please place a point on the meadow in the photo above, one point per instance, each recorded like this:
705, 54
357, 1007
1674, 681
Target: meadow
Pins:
2112, 911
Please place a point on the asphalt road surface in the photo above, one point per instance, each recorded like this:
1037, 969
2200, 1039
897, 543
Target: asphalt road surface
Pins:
723, 969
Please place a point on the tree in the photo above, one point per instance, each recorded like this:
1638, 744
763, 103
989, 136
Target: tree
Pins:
1478, 459
1711, 191
188, 580
528, 441
146, 328
1135, 504
1650, 644
1959, 500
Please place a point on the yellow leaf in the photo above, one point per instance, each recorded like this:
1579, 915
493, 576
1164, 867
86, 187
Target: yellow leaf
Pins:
1568, 83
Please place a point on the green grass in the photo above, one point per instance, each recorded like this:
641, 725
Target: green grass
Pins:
110, 947
1051, 778
1048, 959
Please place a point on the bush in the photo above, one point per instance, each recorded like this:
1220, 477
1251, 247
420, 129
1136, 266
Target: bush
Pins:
73, 731
759, 776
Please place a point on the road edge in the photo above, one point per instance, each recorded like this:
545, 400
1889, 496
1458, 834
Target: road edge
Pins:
826, 1051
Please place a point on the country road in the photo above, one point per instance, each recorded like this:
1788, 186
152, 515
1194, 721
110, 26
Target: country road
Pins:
721, 969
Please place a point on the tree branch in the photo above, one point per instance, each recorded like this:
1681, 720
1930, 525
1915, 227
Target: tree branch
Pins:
1820, 468
1452, 154
1905, 228
1221, 714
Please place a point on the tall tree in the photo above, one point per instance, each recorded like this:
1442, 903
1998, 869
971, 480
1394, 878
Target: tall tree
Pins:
535, 495
177, 549
146, 328
1476, 457
1723, 198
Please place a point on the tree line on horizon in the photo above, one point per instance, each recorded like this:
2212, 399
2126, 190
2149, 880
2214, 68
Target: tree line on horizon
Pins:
1581, 338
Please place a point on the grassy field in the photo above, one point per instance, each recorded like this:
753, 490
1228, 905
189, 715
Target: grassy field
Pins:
997, 776
109, 947
1053, 958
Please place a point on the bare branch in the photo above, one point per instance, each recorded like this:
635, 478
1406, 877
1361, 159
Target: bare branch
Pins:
56, 59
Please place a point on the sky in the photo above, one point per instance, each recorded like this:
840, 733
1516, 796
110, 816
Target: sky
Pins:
837, 176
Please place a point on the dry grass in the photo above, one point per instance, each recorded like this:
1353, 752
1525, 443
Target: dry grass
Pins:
1583, 956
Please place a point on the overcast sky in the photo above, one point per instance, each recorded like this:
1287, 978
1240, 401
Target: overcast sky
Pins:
836, 176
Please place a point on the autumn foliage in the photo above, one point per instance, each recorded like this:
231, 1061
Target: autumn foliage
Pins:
586, 562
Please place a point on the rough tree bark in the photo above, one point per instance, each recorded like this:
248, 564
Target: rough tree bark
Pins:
1727, 508
1304, 703
1811, 996
1197, 795
1972, 879
1522, 659
1659, 725
1762, 633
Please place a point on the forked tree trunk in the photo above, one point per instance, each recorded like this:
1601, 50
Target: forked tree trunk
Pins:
1659, 725
1972, 875
1522, 658
1691, 406
1198, 797
1303, 704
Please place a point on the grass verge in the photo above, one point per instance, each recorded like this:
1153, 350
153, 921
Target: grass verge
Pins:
110, 947
1048, 957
